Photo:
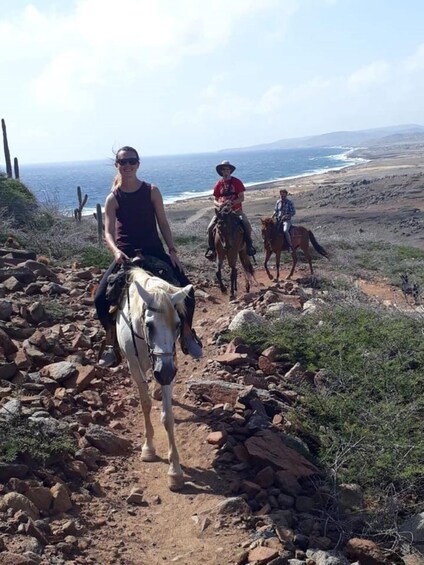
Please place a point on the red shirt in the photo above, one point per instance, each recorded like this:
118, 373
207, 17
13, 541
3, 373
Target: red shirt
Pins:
229, 189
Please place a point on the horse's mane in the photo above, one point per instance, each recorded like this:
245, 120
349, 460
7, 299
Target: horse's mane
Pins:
267, 222
156, 286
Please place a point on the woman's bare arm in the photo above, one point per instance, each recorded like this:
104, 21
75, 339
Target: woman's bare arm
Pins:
163, 223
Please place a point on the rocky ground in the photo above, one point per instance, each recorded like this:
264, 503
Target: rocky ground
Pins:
250, 496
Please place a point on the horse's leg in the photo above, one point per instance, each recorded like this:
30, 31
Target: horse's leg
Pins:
233, 283
308, 257
244, 261
175, 473
277, 263
268, 254
148, 452
294, 263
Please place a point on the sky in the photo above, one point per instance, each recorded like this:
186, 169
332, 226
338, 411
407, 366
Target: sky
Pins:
81, 78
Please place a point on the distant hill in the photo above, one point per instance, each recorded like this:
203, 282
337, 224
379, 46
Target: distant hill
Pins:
410, 133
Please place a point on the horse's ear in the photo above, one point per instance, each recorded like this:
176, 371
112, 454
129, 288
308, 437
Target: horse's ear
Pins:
181, 294
147, 298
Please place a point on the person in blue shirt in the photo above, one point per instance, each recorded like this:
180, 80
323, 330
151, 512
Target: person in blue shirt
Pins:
284, 211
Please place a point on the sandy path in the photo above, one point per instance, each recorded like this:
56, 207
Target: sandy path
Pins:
199, 214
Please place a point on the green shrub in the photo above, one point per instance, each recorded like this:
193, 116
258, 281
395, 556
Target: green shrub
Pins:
368, 258
92, 256
22, 439
16, 199
56, 309
365, 424
188, 240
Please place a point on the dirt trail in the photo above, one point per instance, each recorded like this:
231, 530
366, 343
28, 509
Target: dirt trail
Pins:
163, 530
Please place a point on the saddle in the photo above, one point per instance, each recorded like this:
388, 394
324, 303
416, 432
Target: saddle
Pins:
117, 280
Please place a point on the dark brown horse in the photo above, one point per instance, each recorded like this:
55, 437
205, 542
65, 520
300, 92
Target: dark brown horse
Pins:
230, 244
275, 242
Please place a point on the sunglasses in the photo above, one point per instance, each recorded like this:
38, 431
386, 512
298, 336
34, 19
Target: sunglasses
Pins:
129, 161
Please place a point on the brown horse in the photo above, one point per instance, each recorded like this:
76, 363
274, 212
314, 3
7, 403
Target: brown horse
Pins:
230, 244
275, 242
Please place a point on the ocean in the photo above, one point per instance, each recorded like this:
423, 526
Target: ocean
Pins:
177, 176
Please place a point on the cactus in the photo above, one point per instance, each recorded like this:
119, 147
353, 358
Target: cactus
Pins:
6, 150
99, 218
16, 167
81, 203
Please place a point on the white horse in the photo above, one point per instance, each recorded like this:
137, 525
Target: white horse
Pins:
148, 325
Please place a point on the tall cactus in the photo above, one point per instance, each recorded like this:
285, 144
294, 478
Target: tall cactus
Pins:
81, 203
6, 150
99, 217
16, 167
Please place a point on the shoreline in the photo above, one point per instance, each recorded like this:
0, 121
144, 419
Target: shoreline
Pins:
263, 187
369, 163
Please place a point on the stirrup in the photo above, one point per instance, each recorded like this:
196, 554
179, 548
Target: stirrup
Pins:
210, 254
110, 353
251, 251
108, 358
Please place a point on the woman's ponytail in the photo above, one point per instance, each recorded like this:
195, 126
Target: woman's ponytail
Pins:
116, 183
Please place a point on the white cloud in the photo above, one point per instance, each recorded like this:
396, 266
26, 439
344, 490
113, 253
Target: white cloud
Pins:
416, 61
101, 39
271, 100
370, 75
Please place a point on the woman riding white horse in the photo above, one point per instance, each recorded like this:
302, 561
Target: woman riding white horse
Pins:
133, 211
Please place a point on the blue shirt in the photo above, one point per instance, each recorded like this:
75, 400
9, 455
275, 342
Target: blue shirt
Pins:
284, 208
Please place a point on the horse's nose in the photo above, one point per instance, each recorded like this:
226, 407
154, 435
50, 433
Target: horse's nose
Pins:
164, 371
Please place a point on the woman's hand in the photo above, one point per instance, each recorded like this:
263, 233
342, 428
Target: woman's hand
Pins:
174, 258
120, 257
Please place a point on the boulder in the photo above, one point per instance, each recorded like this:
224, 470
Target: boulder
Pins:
269, 448
106, 441
246, 317
16, 501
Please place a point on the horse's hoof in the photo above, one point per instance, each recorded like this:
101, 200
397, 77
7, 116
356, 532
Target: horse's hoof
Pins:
175, 482
148, 454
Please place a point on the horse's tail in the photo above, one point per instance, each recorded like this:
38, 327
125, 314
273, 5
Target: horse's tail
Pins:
317, 246
247, 266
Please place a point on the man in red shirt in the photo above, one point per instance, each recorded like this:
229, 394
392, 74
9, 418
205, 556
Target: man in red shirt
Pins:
229, 188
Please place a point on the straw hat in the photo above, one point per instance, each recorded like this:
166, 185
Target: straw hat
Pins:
224, 164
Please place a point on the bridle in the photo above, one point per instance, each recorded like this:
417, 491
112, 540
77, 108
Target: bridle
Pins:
153, 354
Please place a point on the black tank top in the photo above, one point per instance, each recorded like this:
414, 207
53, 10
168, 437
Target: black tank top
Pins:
136, 227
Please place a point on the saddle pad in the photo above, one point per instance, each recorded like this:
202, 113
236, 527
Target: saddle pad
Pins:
117, 280
158, 268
